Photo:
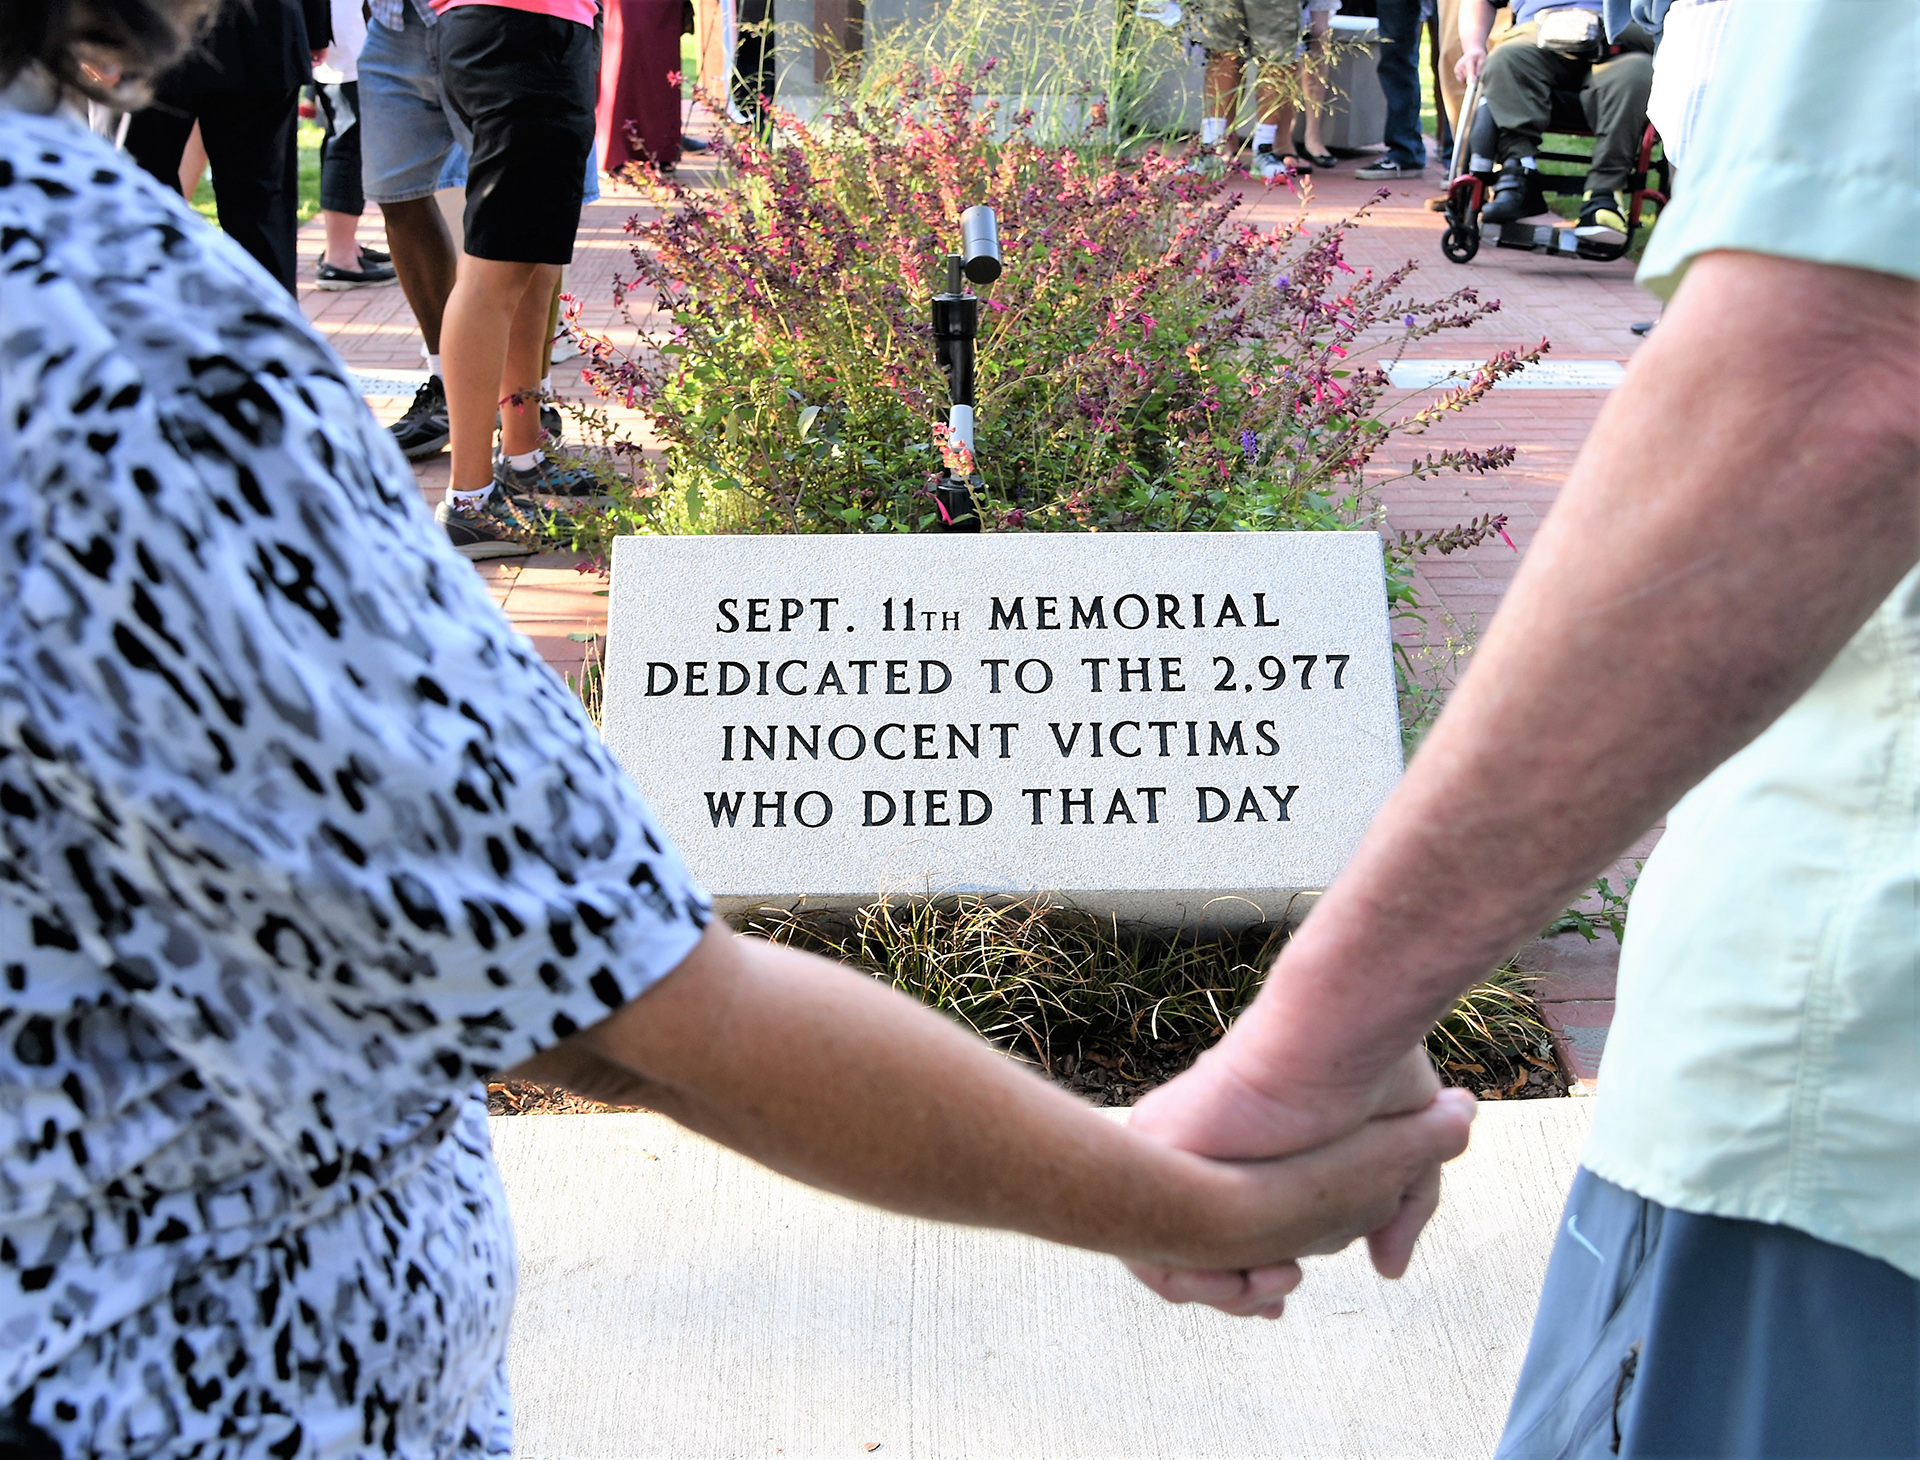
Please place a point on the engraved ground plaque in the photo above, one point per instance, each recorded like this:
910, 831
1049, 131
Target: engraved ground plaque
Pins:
1138, 723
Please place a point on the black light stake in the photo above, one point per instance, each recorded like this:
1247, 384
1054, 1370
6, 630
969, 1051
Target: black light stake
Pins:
956, 324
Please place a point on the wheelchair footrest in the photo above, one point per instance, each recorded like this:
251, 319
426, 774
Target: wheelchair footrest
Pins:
1537, 238
1560, 242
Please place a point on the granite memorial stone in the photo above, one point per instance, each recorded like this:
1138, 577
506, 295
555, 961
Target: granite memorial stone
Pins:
1166, 726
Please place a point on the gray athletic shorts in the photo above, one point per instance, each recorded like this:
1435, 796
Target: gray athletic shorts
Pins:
1257, 29
1664, 1333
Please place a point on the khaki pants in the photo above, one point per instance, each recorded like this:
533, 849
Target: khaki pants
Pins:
1453, 92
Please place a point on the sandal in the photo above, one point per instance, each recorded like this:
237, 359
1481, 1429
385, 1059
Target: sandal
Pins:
1323, 159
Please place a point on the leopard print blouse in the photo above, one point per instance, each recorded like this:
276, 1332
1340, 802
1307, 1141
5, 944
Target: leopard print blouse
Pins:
298, 842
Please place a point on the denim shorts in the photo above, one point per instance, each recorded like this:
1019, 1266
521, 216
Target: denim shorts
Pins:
411, 143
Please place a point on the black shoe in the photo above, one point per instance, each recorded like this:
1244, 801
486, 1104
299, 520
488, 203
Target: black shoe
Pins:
694, 144
374, 255
1388, 169
423, 430
498, 526
369, 272
1516, 195
546, 478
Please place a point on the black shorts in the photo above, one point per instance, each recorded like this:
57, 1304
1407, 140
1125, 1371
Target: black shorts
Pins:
523, 85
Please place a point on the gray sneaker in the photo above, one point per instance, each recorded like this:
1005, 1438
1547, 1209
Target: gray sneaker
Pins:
1387, 170
498, 526
546, 478
1270, 168
1206, 163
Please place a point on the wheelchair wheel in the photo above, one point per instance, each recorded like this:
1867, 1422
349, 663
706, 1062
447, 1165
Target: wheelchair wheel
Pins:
1460, 242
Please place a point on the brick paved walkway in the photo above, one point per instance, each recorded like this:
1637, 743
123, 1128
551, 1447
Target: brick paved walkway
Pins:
1583, 309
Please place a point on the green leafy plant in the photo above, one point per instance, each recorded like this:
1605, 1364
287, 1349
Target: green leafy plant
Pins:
1601, 910
1148, 361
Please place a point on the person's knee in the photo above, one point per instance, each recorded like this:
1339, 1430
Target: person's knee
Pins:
1629, 77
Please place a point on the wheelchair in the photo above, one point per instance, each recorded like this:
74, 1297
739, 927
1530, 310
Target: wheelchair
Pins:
1470, 179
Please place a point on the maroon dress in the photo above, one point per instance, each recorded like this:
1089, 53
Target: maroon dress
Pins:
638, 118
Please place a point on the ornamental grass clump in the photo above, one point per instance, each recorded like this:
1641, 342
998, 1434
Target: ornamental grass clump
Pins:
1114, 1010
1148, 361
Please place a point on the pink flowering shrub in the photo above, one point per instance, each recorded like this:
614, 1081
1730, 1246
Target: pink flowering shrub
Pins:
1147, 360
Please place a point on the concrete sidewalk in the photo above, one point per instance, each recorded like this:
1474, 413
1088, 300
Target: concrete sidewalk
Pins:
676, 1300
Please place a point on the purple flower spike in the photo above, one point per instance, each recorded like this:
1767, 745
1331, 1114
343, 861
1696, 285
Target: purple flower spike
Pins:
1250, 444
1408, 321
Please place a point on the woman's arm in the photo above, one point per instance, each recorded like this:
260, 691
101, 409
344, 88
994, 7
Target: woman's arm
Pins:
828, 1076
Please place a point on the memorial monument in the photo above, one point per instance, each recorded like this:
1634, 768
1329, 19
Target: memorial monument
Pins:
1169, 727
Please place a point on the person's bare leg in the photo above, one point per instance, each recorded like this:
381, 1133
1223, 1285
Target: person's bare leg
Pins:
476, 337
1221, 90
193, 163
527, 345
1276, 110
553, 325
424, 258
343, 239
1313, 85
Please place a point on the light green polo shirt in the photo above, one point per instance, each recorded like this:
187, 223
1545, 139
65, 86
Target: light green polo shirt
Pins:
1764, 1060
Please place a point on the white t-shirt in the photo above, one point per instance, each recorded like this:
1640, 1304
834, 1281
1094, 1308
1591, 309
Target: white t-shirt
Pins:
343, 56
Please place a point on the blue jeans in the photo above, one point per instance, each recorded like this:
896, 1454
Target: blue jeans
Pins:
1399, 73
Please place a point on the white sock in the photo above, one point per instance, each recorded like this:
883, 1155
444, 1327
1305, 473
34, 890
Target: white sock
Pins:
468, 499
433, 366
1213, 131
526, 460
1265, 134
546, 385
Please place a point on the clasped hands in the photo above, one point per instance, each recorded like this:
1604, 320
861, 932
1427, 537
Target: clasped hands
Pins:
1367, 1155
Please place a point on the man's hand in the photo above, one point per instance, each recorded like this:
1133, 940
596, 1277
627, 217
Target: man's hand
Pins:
1473, 60
1376, 1176
1228, 1106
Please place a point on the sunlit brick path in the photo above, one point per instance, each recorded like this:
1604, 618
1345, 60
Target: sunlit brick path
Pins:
1584, 310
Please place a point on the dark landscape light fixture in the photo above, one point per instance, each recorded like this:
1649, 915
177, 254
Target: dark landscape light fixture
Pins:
956, 324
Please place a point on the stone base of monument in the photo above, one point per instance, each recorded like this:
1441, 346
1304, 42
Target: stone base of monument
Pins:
678, 1301
1187, 729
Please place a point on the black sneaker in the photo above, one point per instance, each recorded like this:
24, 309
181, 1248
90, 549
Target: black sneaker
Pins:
1388, 170
369, 273
546, 478
498, 526
423, 430
374, 255
1516, 195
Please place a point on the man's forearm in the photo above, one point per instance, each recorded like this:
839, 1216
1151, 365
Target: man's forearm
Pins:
1748, 496
1476, 24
